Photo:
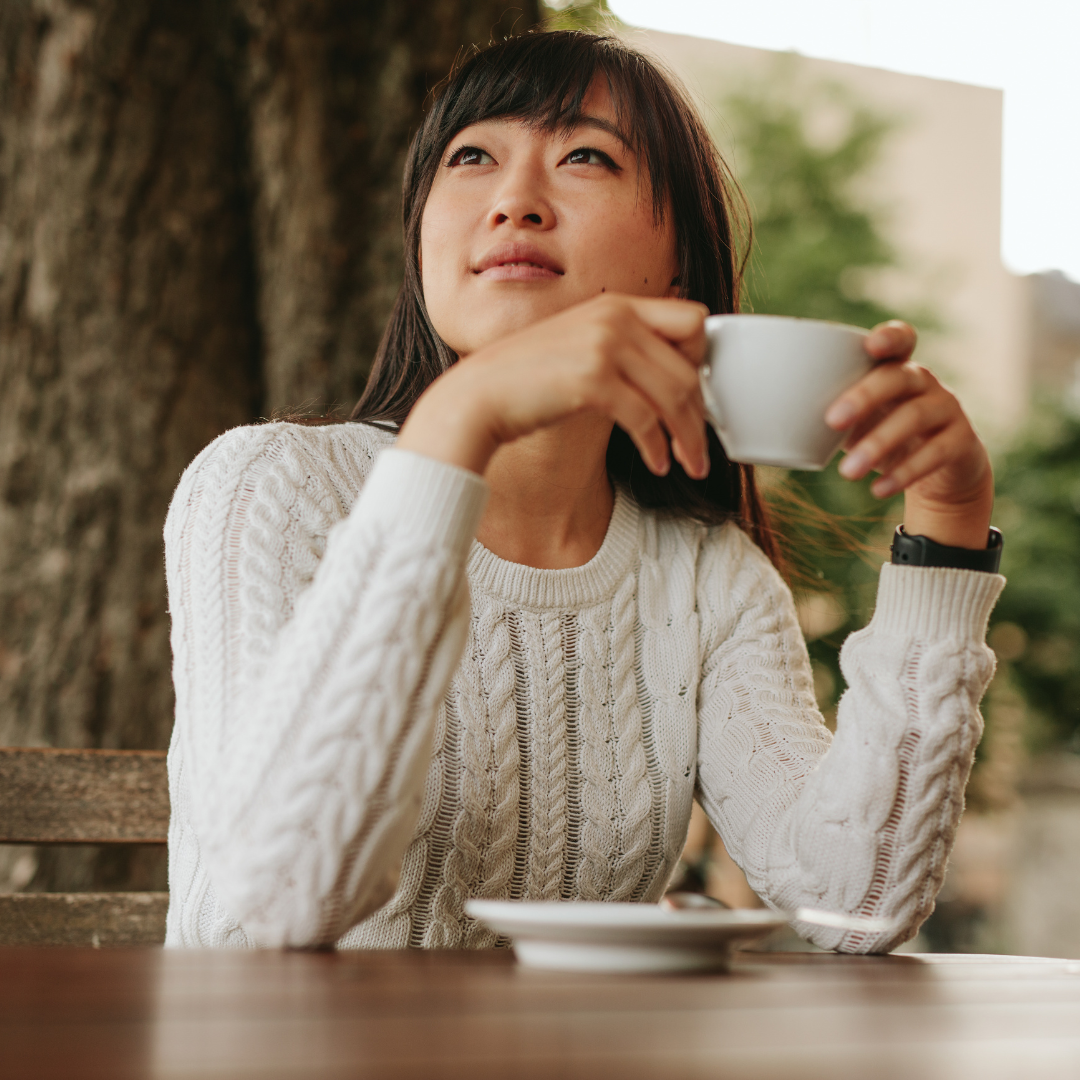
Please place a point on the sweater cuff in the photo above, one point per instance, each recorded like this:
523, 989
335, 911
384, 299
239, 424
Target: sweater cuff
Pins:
417, 495
935, 602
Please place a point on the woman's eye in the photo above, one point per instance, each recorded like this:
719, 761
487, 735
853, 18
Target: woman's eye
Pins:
470, 155
585, 155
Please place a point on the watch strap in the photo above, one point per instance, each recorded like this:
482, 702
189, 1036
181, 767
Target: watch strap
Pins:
922, 551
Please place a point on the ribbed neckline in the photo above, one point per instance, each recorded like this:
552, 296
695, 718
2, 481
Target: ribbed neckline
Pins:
575, 587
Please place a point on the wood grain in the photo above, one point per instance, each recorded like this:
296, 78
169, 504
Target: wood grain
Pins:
178, 1014
94, 919
52, 796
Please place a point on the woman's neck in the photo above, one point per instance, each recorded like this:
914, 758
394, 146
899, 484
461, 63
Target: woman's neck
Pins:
551, 499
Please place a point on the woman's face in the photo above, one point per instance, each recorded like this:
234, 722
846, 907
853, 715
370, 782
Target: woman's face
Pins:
522, 223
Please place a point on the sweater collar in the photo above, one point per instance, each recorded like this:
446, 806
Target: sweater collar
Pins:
575, 587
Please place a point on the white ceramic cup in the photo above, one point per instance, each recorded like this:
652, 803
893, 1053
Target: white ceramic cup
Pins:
767, 381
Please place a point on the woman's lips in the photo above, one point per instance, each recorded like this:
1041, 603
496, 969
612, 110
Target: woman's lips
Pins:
518, 261
518, 271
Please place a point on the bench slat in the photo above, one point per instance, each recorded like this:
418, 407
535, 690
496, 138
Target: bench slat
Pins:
50, 796
96, 919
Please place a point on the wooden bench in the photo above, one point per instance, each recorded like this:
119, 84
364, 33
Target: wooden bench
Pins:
52, 796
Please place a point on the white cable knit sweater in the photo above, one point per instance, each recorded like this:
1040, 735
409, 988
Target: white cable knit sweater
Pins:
377, 718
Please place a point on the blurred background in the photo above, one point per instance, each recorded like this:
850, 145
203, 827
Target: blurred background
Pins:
199, 226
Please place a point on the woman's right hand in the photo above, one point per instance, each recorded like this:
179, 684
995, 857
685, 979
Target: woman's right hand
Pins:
632, 359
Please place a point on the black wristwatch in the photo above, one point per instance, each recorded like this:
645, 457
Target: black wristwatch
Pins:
922, 551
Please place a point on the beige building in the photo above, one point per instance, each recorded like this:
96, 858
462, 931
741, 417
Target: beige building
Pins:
1054, 310
939, 181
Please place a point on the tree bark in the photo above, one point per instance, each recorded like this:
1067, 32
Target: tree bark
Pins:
335, 91
127, 342
199, 223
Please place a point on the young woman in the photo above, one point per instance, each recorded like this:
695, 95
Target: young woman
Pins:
498, 652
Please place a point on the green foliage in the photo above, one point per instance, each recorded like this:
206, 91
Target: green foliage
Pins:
816, 245
579, 15
1036, 624
815, 240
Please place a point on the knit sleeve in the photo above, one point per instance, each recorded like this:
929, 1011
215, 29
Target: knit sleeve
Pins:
310, 658
862, 822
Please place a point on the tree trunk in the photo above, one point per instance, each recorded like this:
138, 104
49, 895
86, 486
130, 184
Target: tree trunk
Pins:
127, 342
335, 91
199, 223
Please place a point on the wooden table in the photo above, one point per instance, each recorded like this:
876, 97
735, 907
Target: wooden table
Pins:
80, 1014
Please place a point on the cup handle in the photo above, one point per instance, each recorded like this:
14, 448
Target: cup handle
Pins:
712, 406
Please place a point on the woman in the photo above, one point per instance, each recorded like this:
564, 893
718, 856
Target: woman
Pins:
499, 654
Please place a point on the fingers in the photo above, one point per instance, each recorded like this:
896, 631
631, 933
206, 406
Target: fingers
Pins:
673, 387
639, 419
893, 340
919, 418
936, 452
886, 385
682, 322
908, 426
635, 360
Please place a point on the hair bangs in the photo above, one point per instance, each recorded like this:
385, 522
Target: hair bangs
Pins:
545, 81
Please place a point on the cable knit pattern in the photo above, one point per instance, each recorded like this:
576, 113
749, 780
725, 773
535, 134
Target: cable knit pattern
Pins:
548, 804
377, 718
632, 782
492, 765
599, 791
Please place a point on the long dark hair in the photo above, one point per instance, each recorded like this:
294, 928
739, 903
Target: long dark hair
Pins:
542, 78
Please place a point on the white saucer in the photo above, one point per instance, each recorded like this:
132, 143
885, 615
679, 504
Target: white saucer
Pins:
584, 936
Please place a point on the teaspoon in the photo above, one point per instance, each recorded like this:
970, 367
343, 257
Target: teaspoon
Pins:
869, 924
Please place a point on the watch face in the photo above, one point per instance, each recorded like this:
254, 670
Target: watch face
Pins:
907, 549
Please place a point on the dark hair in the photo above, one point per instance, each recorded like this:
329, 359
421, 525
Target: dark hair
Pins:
543, 78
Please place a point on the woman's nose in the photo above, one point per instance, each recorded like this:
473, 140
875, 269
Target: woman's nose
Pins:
522, 203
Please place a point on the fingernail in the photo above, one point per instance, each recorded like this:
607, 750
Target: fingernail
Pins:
884, 487
663, 467
840, 414
855, 465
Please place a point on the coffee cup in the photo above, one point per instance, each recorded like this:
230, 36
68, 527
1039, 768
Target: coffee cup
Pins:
768, 380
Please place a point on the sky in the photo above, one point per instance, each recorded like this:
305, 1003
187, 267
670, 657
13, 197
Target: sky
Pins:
1031, 50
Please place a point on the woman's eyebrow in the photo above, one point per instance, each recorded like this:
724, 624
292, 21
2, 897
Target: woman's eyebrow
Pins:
600, 124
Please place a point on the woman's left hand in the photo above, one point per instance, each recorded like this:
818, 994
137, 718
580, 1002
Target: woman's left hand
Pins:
903, 423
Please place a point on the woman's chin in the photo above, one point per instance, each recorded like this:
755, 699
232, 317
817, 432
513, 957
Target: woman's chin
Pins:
497, 318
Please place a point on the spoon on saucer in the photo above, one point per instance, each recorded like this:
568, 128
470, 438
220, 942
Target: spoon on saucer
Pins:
836, 920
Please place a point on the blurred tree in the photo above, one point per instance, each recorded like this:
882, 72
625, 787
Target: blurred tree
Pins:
579, 15
801, 154
816, 240
198, 224
1036, 624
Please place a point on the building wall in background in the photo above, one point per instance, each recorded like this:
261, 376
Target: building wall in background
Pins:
1054, 305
